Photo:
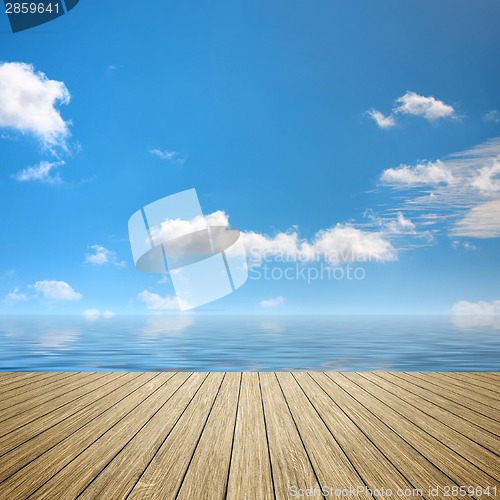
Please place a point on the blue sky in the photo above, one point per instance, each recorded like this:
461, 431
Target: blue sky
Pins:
267, 109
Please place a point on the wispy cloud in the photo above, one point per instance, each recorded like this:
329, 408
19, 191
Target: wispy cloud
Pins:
382, 120
272, 302
492, 116
171, 156
102, 256
29, 103
45, 172
459, 194
113, 67
156, 302
15, 297
411, 103
467, 245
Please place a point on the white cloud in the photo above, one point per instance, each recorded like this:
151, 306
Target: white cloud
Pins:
459, 194
382, 121
44, 172
338, 244
487, 180
15, 297
482, 221
56, 290
95, 314
272, 302
29, 103
155, 302
91, 314
173, 228
427, 173
464, 244
400, 225
414, 104
428, 107
102, 256
492, 116
171, 156
473, 314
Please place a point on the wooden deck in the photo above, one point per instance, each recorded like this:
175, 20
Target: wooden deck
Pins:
249, 435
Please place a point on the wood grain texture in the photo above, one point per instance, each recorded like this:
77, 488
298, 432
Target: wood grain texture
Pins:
250, 473
241, 436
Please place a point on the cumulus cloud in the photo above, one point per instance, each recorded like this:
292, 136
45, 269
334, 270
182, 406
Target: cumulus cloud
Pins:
421, 174
44, 172
428, 107
156, 302
29, 103
473, 314
15, 297
173, 228
95, 314
411, 103
102, 256
272, 302
338, 244
57, 290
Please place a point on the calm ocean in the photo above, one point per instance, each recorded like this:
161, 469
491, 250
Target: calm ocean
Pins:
199, 342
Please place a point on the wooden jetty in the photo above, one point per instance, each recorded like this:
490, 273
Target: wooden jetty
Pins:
177, 435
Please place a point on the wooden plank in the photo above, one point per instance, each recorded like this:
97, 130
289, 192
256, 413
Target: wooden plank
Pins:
31, 442
464, 412
21, 380
50, 409
329, 460
163, 476
485, 387
214, 447
454, 396
462, 388
38, 476
250, 471
289, 460
71, 480
60, 394
488, 376
238, 436
447, 423
357, 446
417, 469
120, 475
44, 386
461, 471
